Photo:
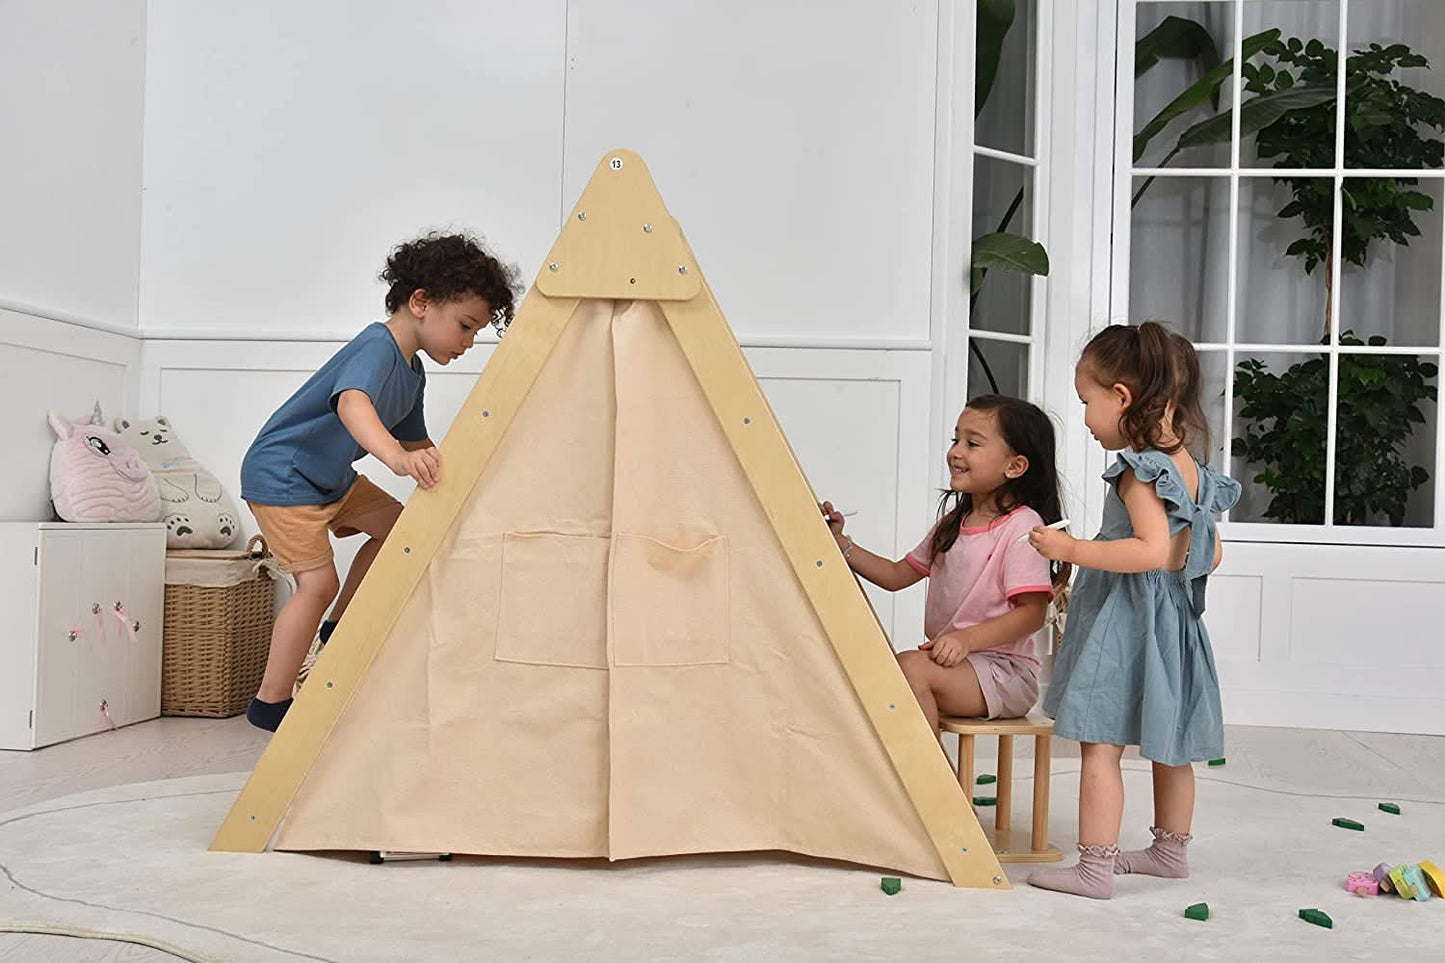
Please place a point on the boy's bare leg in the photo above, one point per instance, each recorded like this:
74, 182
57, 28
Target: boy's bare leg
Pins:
938, 690
295, 627
378, 525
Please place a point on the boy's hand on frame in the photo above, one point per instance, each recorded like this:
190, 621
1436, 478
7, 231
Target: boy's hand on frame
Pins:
424, 465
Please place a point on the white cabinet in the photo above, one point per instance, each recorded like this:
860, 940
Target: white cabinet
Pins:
80, 628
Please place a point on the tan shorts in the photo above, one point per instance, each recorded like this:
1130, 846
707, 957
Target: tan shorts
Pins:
296, 534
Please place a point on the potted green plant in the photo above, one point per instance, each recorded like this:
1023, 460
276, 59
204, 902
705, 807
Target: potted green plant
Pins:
1292, 89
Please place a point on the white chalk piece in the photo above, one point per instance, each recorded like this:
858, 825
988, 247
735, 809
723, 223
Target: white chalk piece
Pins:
1061, 523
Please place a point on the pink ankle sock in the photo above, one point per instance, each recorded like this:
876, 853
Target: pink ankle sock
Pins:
1165, 856
1092, 876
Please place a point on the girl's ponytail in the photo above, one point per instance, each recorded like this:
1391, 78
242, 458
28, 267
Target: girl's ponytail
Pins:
1161, 371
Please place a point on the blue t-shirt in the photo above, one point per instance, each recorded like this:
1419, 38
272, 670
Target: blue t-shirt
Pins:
303, 454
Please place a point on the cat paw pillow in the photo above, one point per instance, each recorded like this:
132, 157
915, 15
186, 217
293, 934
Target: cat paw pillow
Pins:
197, 511
95, 476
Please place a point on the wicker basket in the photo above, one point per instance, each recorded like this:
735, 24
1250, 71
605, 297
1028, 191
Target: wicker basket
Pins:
217, 635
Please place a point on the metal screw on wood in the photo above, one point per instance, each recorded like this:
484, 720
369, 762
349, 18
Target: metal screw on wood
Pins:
581, 215
553, 266
998, 881
682, 269
647, 229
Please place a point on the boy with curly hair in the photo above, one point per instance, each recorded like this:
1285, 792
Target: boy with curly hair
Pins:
297, 477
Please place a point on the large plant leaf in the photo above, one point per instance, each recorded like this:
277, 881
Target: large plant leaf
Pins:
1204, 89
994, 19
1176, 38
1256, 114
1007, 252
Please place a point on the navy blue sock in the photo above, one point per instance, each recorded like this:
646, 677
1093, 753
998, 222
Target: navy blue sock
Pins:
326, 629
267, 715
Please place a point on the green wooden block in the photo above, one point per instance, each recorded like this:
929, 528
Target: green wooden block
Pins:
1391, 808
1199, 911
891, 885
985, 800
1317, 917
1216, 762
1344, 823
985, 779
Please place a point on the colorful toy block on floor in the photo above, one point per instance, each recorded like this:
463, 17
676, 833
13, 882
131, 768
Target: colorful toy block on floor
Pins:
1362, 884
891, 885
1382, 876
1317, 917
1344, 823
1433, 877
1216, 762
1392, 808
1401, 884
985, 779
1419, 886
985, 800
1199, 911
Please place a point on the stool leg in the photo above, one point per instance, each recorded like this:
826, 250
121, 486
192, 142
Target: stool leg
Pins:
1043, 750
965, 763
1003, 811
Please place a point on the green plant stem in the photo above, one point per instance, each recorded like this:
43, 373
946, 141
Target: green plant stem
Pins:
973, 298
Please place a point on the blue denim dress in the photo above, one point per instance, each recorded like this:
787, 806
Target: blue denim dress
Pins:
1135, 667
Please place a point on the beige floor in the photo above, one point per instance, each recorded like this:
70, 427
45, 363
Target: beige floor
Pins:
1271, 773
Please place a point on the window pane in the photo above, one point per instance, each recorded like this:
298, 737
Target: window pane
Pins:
997, 367
1177, 45
1179, 243
1390, 281
1281, 412
1385, 440
1007, 119
1301, 74
1002, 201
1284, 260
1394, 107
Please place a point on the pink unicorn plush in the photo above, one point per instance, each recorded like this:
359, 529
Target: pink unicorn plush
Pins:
96, 476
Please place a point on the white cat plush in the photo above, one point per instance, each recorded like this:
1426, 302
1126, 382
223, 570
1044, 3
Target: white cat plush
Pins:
196, 509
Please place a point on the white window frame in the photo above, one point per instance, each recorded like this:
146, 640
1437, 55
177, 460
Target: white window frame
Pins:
1036, 188
954, 158
1231, 347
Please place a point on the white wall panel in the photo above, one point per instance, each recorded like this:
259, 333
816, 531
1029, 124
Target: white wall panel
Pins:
793, 140
289, 147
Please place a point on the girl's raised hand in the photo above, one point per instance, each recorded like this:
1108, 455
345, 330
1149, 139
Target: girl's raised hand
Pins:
834, 517
1052, 543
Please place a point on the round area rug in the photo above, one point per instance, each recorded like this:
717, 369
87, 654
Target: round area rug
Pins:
133, 860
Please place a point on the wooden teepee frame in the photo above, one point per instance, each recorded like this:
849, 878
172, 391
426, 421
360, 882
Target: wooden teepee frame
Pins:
620, 243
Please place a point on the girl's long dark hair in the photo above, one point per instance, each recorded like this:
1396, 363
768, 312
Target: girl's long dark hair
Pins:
1028, 432
1161, 369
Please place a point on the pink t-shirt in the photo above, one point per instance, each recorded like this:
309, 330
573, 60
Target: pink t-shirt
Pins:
977, 579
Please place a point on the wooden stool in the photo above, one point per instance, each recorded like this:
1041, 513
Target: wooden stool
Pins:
1010, 846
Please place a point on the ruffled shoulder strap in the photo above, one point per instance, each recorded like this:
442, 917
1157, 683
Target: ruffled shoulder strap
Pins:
1217, 493
1158, 469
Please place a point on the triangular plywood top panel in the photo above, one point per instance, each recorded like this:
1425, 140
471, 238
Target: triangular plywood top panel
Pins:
612, 693
620, 242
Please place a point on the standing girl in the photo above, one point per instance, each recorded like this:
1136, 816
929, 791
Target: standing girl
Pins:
1135, 667
988, 590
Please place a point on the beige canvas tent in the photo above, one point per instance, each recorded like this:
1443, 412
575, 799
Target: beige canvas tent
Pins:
619, 627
